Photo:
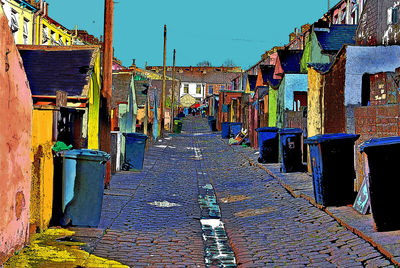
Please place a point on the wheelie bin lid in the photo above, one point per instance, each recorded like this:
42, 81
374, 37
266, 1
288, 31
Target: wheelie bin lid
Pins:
376, 142
87, 154
290, 130
235, 123
330, 137
136, 135
225, 123
267, 129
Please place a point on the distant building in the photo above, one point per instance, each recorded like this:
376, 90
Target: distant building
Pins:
200, 82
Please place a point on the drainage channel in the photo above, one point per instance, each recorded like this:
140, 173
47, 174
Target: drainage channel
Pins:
217, 250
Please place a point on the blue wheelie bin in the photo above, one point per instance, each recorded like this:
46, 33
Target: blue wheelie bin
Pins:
212, 122
268, 143
384, 185
332, 163
135, 144
225, 130
290, 139
83, 186
236, 127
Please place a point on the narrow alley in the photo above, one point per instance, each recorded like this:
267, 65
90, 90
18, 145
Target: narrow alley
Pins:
153, 217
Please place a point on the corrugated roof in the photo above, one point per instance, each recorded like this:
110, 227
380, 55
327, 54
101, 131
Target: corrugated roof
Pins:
51, 70
290, 60
333, 38
267, 72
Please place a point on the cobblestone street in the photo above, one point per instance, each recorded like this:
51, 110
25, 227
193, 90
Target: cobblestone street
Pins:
154, 217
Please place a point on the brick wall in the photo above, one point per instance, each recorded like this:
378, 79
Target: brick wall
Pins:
374, 28
334, 109
374, 121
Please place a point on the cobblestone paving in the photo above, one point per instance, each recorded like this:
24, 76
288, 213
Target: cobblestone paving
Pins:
268, 227
153, 217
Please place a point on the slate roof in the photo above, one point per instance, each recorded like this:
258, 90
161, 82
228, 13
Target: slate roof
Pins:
168, 89
320, 67
332, 39
267, 72
49, 70
140, 97
290, 60
120, 89
208, 77
252, 81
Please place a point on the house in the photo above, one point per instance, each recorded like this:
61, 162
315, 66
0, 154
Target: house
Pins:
123, 101
379, 24
66, 101
252, 112
201, 82
345, 86
21, 17
31, 24
15, 146
325, 41
345, 12
292, 91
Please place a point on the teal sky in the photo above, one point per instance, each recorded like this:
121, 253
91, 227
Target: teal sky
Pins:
213, 30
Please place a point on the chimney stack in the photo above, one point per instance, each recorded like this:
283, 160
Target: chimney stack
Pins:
134, 62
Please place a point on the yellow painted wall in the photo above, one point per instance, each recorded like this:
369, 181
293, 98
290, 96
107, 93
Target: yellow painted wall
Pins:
314, 107
23, 13
247, 87
41, 202
94, 107
59, 32
314, 115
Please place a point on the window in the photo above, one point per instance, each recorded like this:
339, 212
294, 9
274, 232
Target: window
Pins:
26, 31
343, 19
53, 38
45, 35
66, 42
210, 89
222, 87
198, 89
14, 21
392, 15
60, 41
186, 88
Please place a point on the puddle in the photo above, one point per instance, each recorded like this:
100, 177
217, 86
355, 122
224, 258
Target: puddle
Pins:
164, 204
234, 198
161, 146
207, 186
254, 212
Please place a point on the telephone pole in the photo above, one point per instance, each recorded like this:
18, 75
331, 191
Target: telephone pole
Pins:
106, 91
163, 84
173, 94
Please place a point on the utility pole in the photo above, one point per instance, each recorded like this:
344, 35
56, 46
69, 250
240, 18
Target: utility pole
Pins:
163, 84
106, 91
329, 6
173, 94
146, 113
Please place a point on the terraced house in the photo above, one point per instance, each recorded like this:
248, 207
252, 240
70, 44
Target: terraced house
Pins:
31, 25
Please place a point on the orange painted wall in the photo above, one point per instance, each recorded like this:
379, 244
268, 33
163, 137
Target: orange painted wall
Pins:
15, 145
